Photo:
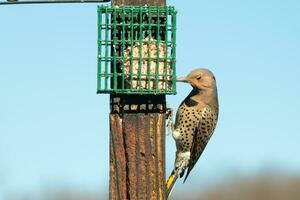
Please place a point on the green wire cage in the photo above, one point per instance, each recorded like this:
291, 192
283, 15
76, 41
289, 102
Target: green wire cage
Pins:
136, 50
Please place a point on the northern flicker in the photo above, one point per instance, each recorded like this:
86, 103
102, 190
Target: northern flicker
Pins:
195, 122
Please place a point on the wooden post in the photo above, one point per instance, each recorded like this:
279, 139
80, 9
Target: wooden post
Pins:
137, 141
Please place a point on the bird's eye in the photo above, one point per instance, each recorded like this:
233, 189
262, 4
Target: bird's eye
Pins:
199, 77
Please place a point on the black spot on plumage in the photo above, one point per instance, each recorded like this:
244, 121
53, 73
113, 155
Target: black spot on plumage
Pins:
190, 102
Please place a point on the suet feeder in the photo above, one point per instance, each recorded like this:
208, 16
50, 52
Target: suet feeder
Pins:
136, 50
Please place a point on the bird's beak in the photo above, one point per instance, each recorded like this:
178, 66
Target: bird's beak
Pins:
182, 79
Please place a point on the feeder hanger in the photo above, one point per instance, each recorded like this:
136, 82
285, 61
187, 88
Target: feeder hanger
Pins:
14, 2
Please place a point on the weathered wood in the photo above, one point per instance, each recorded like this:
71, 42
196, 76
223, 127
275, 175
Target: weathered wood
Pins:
137, 156
117, 182
137, 144
137, 141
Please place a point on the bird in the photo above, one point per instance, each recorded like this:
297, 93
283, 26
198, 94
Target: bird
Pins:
195, 122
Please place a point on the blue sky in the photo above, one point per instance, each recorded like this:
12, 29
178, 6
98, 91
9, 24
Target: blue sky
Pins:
54, 128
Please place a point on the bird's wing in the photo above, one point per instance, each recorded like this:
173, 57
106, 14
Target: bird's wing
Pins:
203, 132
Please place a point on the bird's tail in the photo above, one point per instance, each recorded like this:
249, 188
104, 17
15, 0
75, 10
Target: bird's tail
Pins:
170, 183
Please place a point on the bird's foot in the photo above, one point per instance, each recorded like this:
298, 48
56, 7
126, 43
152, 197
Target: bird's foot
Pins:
170, 123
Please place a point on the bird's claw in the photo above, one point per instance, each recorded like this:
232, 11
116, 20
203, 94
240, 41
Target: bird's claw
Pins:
170, 123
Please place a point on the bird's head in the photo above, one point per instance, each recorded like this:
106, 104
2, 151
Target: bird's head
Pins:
200, 79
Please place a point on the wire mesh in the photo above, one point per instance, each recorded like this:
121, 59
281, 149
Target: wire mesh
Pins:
136, 50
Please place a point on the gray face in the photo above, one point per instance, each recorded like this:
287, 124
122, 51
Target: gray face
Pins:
200, 78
